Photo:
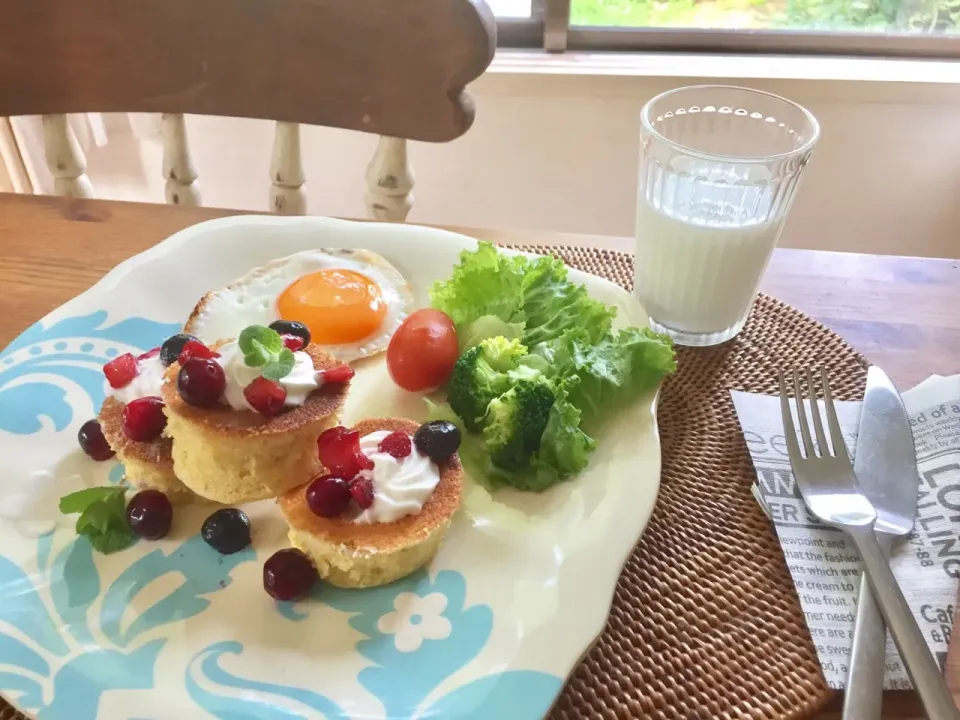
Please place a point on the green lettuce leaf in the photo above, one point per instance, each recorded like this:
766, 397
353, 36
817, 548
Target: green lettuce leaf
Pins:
613, 371
553, 305
564, 446
485, 282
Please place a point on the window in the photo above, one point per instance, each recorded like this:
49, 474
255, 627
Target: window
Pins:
929, 28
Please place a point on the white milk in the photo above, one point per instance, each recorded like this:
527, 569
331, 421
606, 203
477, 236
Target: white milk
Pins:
701, 249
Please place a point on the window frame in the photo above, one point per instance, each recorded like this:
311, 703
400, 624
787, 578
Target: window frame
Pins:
548, 28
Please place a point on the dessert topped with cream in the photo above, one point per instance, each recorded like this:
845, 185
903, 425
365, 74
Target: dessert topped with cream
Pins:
263, 371
383, 502
402, 477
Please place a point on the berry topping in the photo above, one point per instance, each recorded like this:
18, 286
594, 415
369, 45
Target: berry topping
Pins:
328, 496
121, 370
171, 349
339, 374
92, 441
226, 531
143, 419
149, 514
361, 488
201, 382
289, 575
292, 327
148, 354
397, 444
293, 342
196, 349
437, 439
266, 396
339, 450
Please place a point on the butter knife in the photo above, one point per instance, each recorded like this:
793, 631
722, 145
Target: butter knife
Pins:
885, 464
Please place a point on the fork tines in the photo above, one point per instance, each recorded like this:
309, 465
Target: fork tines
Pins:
836, 434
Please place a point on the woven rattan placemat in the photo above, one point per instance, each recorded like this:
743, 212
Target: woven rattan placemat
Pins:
705, 622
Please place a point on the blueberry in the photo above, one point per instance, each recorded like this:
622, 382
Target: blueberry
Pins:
437, 439
227, 531
292, 327
170, 350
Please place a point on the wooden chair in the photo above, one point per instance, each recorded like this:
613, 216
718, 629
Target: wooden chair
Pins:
396, 68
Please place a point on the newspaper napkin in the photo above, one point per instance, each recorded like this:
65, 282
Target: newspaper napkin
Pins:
823, 563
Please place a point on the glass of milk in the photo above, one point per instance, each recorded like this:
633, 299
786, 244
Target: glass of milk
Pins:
719, 168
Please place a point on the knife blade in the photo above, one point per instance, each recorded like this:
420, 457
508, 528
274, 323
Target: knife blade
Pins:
885, 463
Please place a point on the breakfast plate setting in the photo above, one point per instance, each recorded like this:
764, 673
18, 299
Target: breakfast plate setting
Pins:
309, 468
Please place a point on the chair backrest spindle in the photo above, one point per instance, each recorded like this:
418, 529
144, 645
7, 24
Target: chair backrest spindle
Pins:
389, 180
287, 196
181, 186
65, 158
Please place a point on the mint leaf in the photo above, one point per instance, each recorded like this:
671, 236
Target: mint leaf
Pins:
79, 501
113, 540
264, 348
103, 517
280, 366
95, 518
259, 344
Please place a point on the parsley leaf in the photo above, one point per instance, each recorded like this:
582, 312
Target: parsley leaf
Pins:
264, 348
103, 517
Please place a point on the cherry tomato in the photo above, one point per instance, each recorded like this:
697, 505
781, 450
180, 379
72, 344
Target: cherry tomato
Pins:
423, 351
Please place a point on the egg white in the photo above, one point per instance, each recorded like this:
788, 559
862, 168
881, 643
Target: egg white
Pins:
252, 299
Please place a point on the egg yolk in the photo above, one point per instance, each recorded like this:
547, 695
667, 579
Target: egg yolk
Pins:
337, 306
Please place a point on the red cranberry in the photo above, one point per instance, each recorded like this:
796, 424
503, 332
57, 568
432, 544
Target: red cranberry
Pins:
289, 575
92, 441
361, 488
339, 374
196, 349
293, 342
339, 450
121, 370
150, 514
143, 419
266, 396
149, 354
328, 496
201, 382
397, 444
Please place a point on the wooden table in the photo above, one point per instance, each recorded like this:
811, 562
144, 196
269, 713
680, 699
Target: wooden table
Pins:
901, 313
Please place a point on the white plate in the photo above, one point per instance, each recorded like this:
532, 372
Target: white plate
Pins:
171, 630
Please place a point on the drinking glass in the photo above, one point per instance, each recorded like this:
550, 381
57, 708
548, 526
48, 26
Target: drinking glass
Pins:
719, 169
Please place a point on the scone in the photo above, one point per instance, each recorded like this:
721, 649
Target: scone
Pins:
231, 453
354, 550
148, 465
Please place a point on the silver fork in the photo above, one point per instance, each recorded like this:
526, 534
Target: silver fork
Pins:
830, 490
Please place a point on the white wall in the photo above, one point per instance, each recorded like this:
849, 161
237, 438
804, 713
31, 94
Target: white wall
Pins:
559, 152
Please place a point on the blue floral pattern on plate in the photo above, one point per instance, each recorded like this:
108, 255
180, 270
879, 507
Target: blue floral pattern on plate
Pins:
67, 637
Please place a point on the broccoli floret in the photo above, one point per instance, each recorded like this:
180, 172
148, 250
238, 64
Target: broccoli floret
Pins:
480, 375
502, 354
514, 424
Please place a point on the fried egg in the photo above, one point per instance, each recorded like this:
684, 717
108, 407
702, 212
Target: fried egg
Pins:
352, 301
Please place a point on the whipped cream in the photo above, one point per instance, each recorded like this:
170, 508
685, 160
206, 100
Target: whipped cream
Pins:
299, 382
147, 382
401, 486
